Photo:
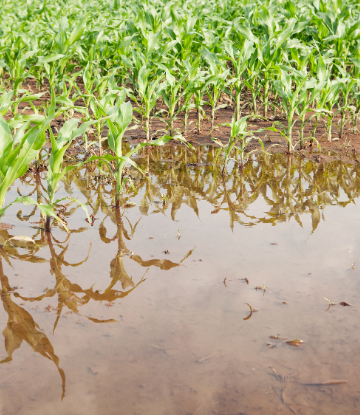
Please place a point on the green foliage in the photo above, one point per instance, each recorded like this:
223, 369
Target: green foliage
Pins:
301, 60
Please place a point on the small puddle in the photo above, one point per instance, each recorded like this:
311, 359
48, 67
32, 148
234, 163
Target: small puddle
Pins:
206, 293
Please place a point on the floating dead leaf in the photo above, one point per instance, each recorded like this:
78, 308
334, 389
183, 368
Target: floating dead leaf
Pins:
284, 302
294, 343
245, 280
95, 320
273, 243
263, 288
353, 266
166, 251
330, 302
345, 304
275, 337
253, 310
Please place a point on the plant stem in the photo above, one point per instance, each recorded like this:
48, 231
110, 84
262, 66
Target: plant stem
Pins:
314, 129
185, 121
147, 129
342, 123
238, 111
302, 131
329, 128
266, 97
199, 120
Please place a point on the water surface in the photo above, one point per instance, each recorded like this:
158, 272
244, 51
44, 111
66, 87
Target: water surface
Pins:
146, 312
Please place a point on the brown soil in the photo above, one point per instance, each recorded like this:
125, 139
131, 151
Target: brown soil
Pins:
345, 149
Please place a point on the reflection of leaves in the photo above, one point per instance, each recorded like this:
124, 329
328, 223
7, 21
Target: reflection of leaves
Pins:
22, 327
20, 241
187, 255
163, 264
118, 272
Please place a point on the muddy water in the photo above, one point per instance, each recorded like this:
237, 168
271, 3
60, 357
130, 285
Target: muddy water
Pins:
146, 313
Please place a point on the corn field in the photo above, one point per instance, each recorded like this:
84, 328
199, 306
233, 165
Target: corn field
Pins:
94, 71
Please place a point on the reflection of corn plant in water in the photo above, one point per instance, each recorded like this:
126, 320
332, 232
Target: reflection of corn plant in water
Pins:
22, 327
238, 141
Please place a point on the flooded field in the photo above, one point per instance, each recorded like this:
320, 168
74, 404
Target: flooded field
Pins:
212, 295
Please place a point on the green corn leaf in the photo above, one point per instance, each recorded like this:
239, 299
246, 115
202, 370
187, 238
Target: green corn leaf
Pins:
6, 141
45, 209
246, 33
78, 31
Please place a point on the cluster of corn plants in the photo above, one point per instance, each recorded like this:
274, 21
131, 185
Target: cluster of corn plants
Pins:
121, 65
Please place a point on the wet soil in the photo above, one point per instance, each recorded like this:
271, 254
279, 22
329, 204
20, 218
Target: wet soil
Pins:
346, 148
146, 311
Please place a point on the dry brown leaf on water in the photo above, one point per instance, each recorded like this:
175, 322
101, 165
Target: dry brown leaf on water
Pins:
295, 342
330, 302
253, 310
95, 320
344, 304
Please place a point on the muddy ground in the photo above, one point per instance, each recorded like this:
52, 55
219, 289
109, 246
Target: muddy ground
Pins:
345, 149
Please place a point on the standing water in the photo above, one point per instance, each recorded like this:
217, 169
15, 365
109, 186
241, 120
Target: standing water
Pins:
205, 293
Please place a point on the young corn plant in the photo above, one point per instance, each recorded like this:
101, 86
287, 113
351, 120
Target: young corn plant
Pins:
120, 116
297, 92
56, 173
329, 97
16, 154
239, 140
216, 83
193, 82
149, 90
347, 89
239, 59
